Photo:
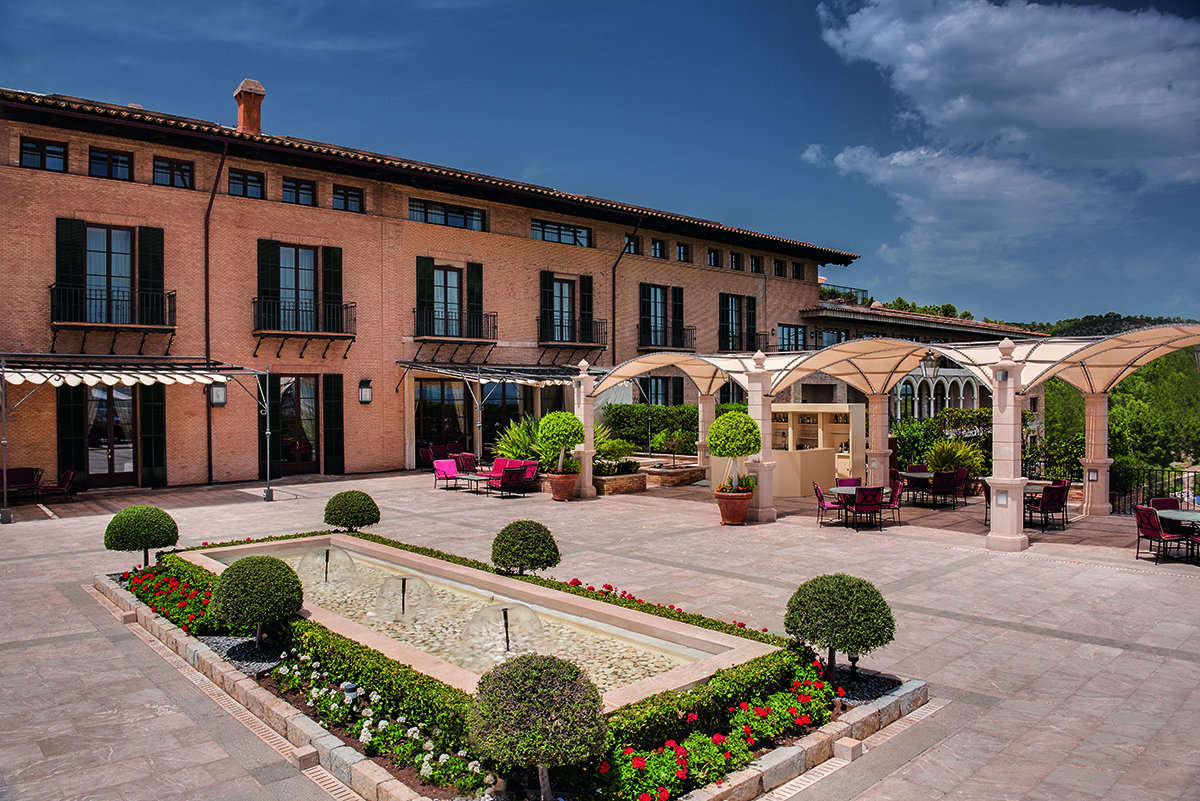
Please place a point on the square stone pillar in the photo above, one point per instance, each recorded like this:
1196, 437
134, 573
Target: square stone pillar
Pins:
761, 465
877, 451
1007, 484
585, 410
1095, 462
707, 408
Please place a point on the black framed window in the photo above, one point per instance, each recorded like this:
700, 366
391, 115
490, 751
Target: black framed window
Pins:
714, 257
780, 268
347, 198
246, 184
442, 413
427, 211
297, 288
169, 172
41, 155
791, 337
447, 301
735, 261
798, 270
730, 332
561, 232
656, 391
657, 320
111, 164
299, 191
731, 393
563, 312
633, 245
109, 281
832, 336
683, 252
658, 248
756, 264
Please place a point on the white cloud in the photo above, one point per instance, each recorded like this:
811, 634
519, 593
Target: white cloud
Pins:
813, 154
1038, 120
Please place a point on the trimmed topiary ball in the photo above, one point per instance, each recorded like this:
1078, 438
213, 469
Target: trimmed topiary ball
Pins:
351, 510
558, 433
840, 613
525, 545
259, 591
140, 528
537, 710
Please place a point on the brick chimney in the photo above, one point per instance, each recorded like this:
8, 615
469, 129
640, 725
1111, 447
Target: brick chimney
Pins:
249, 99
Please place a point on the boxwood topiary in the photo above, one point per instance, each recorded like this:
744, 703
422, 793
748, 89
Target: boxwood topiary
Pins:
259, 591
524, 545
140, 528
840, 613
732, 435
351, 510
558, 432
537, 710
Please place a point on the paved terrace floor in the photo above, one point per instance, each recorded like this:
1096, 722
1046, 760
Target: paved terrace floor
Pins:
1072, 669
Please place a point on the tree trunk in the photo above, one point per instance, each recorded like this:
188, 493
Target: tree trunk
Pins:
258, 637
145, 557
544, 780
829, 665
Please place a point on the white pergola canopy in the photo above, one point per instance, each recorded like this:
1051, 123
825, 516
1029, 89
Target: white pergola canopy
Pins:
58, 370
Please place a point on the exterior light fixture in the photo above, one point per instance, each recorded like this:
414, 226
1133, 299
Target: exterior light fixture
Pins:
364, 391
1002, 499
1001, 375
1093, 475
929, 365
218, 394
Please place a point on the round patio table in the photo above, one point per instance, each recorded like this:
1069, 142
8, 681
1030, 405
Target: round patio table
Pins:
1182, 515
925, 476
844, 492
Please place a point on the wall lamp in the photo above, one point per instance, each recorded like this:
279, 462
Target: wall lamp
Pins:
929, 365
218, 394
1001, 375
364, 391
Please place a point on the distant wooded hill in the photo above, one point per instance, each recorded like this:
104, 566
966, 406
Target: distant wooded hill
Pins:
1098, 325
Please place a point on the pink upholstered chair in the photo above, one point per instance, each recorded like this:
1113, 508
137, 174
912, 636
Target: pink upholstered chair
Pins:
824, 506
893, 505
848, 482
445, 470
1149, 528
867, 501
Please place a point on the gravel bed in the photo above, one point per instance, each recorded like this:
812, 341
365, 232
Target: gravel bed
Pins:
243, 654
866, 688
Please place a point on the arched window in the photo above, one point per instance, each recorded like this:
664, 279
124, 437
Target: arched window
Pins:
907, 409
939, 398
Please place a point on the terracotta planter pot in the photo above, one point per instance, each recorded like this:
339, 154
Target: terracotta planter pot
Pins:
562, 485
734, 506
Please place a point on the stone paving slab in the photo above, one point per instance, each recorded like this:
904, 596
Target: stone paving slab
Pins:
1071, 661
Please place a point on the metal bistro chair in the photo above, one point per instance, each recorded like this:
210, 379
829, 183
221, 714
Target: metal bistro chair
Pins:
1149, 528
867, 501
987, 502
848, 482
465, 462
893, 505
824, 506
1051, 504
943, 485
63, 489
511, 481
960, 484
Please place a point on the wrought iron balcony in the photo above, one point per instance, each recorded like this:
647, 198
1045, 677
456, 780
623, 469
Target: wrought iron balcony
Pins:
667, 337
305, 317
735, 339
572, 332
102, 307
452, 324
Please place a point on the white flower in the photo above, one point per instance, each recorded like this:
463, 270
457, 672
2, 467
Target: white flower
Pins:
334, 706
443, 759
368, 712
428, 745
402, 719
462, 753
489, 779
283, 671
283, 655
316, 664
413, 733
426, 769
382, 724
365, 737
437, 732
315, 675
374, 697
473, 766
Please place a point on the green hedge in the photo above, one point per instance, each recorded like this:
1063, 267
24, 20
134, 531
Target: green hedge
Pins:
628, 420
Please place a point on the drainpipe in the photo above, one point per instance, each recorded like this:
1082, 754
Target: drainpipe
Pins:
613, 291
208, 309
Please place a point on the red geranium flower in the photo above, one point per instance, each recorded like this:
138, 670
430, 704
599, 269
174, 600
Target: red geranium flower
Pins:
644, 797
663, 795
820, 685
639, 763
629, 750
718, 738
804, 699
743, 706
841, 692
670, 743
692, 717
803, 720
604, 767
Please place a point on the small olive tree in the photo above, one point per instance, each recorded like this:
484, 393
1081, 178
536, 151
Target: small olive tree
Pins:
524, 545
537, 710
351, 510
259, 591
840, 613
140, 528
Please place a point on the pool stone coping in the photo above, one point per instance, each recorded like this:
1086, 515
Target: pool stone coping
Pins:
312, 744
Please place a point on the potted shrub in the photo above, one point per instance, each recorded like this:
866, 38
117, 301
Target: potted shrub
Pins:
557, 433
731, 436
524, 545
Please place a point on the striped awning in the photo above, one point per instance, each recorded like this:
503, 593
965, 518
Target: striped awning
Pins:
93, 371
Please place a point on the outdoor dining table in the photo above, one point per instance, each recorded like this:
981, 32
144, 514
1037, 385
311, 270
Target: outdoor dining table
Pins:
918, 476
1186, 516
849, 492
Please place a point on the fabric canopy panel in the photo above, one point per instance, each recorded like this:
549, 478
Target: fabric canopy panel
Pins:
20, 369
708, 373
528, 375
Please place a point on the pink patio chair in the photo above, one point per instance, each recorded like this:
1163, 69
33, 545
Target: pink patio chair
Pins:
1149, 528
848, 482
824, 506
867, 501
465, 462
510, 482
1169, 526
1051, 504
497, 467
943, 486
445, 470
531, 468
893, 505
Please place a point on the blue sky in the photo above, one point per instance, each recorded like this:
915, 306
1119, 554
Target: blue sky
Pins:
1022, 161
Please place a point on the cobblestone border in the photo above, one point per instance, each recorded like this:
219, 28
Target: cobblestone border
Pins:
313, 745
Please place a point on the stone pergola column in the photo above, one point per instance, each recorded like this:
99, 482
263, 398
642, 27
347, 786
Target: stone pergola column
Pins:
762, 507
1007, 484
585, 411
707, 407
877, 451
1095, 462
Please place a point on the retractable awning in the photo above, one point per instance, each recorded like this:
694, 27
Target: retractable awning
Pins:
529, 375
57, 370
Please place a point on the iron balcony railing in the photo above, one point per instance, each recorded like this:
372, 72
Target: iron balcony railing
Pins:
306, 316
105, 306
735, 339
1135, 485
669, 337
453, 324
573, 331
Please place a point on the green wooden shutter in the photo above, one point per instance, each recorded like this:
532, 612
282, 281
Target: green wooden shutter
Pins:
70, 271
751, 323
644, 315
274, 416
677, 317
152, 435
334, 444
546, 310
677, 390
331, 290
724, 323
151, 304
72, 433
585, 309
424, 321
268, 317
475, 300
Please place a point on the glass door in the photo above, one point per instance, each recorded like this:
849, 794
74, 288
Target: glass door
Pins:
111, 436
298, 424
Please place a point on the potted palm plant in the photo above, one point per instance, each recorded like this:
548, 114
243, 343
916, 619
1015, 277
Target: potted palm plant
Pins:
557, 432
732, 436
